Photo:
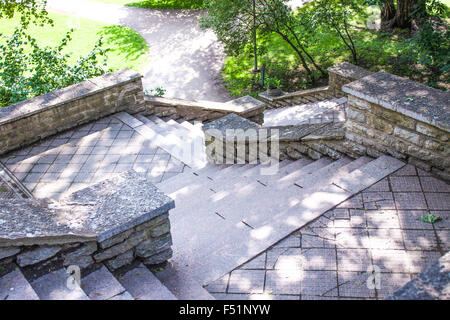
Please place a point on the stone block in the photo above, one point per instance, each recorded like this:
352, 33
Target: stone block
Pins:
153, 246
37, 255
159, 257
121, 260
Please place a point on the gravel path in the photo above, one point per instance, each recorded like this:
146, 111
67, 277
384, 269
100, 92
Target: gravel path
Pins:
184, 59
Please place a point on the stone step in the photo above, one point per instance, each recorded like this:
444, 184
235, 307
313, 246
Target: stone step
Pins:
219, 238
298, 114
14, 286
58, 286
181, 181
222, 187
181, 283
102, 285
183, 144
142, 284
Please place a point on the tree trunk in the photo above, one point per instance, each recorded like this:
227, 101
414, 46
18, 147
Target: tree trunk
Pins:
406, 13
387, 12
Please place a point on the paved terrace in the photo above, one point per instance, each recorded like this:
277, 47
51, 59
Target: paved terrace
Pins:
329, 258
75, 159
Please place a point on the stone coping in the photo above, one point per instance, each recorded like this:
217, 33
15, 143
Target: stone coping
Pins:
221, 127
241, 105
306, 92
430, 284
404, 96
348, 70
65, 95
96, 213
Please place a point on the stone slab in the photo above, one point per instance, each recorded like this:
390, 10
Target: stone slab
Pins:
94, 213
101, 285
431, 284
404, 96
14, 286
53, 286
142, 284
348, 70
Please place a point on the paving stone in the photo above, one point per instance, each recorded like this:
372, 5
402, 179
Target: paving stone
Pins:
354, 285
14, 286
389, 282
444, 239
354, 202
431, 184
258, 262
444, 222
292, 241
101, 285
285, 259
386, 239
123, 296
420, 239
319, 259
353, 259
382, 219
219, 285
246, 281
283, 282
381, 186
348, 238
411, 219
411, 200
378, 200
319, 283
317, 238
438, 201
405, 183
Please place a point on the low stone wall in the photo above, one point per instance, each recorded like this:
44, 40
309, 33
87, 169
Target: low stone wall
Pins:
114, 222
395, 116
205, 111
233, 139
28, 121
339, 75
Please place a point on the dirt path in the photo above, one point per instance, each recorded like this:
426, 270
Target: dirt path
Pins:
184, 59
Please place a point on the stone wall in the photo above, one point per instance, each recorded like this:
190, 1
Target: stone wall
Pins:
339, 75
28, 121
99, 224
395, 116
204, 111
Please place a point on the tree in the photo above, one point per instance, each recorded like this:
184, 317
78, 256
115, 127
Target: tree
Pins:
336, 15
29, 11
234, 21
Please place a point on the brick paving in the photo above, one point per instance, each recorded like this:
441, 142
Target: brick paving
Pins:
75, 159
378, 231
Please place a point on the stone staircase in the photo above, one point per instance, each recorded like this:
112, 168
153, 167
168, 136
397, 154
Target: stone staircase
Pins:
224, 215
136, 283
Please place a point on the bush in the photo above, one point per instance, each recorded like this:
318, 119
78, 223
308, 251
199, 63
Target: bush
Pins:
28, 70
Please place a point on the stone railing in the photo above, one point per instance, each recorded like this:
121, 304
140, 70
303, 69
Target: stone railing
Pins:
246, 107
28, 121
339, 75
114, 222
392, 115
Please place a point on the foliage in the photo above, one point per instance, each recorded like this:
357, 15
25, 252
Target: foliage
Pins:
158, 4
25, 74
430, 218
155, 92
336, 16
430, 47
30, 11
272, 83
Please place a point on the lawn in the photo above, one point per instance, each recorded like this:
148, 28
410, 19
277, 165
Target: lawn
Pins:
158, 4
127, 48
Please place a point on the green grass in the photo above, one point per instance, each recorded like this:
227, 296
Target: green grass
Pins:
376, 50
158, 4
127, 48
